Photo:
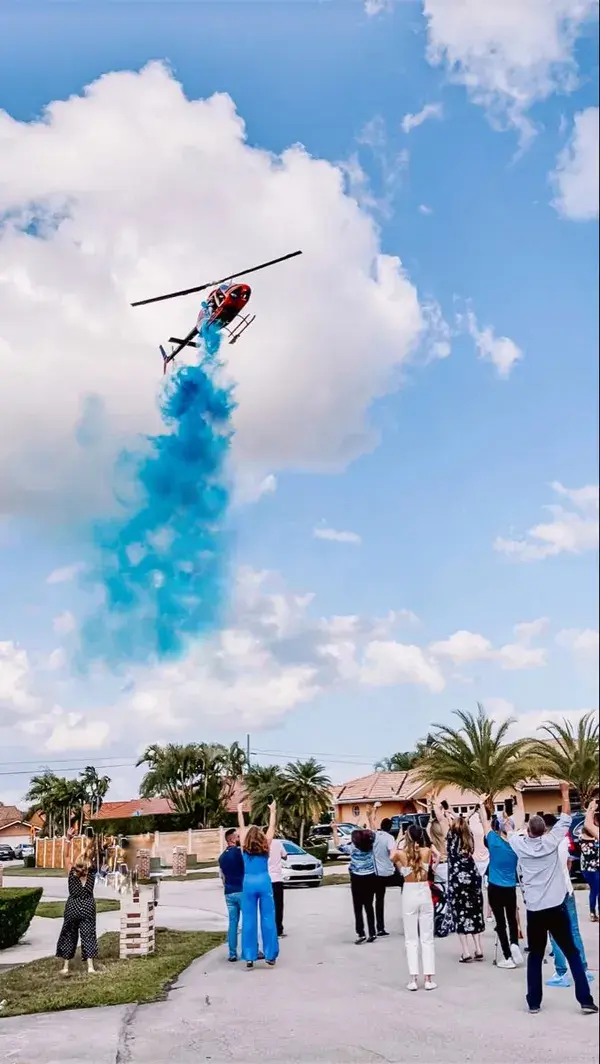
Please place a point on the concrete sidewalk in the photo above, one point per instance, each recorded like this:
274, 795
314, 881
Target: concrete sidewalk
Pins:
326, 1000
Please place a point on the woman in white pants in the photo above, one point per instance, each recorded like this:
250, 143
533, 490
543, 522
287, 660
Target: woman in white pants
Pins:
414, 861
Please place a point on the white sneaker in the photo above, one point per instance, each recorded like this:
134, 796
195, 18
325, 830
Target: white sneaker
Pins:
413, 985
517, 956
430, 984
506, 963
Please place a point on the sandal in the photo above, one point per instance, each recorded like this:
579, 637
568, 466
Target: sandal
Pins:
466, 960
479, 956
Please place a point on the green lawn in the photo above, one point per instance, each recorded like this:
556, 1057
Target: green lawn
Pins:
8, 871
336, 880
37, 987
55, 909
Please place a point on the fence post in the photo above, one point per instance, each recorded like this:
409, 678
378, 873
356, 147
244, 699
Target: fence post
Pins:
53, 850
190, 843
156, 844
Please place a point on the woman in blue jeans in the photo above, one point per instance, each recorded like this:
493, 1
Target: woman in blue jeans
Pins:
257, 891
590, 863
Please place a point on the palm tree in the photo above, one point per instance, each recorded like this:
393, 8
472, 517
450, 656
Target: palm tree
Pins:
262, 783
399, 762
304, 793
476, 757
570, 754
174, 772
42, 795
94, 788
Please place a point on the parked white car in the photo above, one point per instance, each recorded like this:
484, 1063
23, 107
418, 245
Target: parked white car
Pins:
300, 867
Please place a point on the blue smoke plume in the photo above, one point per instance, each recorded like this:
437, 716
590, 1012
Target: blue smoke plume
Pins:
161, 562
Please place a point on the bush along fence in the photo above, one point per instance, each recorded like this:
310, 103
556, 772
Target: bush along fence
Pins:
17, 909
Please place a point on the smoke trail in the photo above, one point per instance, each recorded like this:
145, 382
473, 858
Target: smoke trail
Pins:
161, 562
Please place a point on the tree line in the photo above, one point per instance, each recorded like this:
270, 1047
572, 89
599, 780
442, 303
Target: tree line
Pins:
200, 779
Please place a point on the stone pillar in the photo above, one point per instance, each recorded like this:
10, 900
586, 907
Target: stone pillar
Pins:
179, 861
143, 864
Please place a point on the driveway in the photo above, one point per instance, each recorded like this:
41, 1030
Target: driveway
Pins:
326, 1000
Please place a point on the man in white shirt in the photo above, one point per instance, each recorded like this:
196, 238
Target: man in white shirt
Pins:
561, 975
384, 845
277, 854
544, 892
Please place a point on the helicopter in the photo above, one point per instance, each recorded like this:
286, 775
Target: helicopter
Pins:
222, 309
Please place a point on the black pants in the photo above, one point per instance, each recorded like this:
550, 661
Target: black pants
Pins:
503, 903
556, 922
363, 893
381, 883
278, 899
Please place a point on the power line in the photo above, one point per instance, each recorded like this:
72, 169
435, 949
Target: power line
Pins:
66, 768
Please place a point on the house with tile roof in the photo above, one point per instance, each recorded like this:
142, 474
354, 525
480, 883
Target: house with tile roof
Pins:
14, 827
403, 792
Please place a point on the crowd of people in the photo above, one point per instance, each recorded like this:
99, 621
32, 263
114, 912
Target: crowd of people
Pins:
444, 873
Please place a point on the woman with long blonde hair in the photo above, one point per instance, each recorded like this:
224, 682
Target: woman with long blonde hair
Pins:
414, 861
465, 893
257, 890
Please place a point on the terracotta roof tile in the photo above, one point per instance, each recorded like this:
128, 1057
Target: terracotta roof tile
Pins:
135, 807
9, 814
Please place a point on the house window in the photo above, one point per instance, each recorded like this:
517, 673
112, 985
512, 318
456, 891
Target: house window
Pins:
355, 810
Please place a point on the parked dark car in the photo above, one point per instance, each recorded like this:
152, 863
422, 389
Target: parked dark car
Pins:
403, 821
574, 837
6, 853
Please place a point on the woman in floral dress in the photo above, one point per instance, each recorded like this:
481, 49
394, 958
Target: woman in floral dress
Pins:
590, 862
465, 895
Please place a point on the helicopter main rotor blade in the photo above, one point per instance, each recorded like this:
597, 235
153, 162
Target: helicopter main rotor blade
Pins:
213, 284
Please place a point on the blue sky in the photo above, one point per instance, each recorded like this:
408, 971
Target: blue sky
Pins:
464, 457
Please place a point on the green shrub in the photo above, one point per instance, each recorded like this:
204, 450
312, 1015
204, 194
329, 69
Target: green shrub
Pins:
29, 861
318, 850
17, 908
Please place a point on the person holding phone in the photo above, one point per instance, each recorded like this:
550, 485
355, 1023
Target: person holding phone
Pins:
502, 887
590, 863
257, 890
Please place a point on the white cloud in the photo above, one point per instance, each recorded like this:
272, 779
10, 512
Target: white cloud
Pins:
64, 623
337, 537
570, 531
508, 53
76, 733
424, 209
581, 641
376, 7
66, 574
387, 663
528, 723
502, 352
577, 175
430, 110
16, 690
121, 221
463, 647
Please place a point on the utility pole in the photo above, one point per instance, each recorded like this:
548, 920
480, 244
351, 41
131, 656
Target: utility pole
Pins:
248, 750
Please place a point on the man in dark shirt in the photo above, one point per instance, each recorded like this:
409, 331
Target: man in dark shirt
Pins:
231, 864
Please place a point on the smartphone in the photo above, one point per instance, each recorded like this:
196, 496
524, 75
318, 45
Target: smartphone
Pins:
444, 804
508, 806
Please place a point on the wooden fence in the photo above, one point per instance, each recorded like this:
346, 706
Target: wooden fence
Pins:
205, 845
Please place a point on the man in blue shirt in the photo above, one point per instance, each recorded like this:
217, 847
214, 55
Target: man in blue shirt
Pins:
502, 889
231, 865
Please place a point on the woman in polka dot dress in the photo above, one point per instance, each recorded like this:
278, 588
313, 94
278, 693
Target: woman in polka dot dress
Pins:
80, 917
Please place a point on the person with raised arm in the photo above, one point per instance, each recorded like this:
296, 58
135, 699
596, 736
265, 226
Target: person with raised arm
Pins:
362, 880
384, 846
257, 890
502, 887
544, 891
590, 864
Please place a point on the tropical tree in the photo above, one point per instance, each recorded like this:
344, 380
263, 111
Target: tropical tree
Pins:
399, 762
570, 753
197, 778
262, 783
93, 788
476, 756
304, 794
43, 796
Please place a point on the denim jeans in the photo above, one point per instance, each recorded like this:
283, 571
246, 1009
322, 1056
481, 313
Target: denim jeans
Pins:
560, 961
234, 909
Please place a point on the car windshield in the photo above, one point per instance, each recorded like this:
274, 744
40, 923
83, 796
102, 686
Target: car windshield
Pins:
290, 847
